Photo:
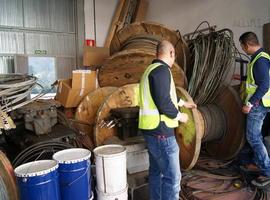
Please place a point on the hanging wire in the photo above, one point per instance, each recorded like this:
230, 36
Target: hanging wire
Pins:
213, 54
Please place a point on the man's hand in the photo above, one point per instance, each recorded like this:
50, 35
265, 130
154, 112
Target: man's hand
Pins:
246, 109
183, 118
190, 105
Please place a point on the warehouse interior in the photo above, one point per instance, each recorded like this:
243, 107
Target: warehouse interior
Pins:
75, 85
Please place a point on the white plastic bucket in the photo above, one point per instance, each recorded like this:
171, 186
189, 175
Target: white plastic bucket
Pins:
111, 169
122, 195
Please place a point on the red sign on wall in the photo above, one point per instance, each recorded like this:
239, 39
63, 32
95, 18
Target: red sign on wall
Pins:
89, 42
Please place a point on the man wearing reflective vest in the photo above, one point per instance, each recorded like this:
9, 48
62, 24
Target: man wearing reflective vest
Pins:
257, 103
158, 117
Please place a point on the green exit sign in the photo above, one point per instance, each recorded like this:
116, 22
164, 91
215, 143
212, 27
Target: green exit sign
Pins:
40, 52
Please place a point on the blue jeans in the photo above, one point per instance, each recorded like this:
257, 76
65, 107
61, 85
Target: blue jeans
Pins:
255, 139
164, 170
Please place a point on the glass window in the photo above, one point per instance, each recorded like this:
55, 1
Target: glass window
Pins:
44, 69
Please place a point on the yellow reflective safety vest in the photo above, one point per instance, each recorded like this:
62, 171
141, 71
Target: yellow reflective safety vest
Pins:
149, 116
250, 82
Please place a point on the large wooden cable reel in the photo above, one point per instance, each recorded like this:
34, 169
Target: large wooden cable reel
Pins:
126, 96
8, 178
86, 111
218, 125
127, 67
148, 34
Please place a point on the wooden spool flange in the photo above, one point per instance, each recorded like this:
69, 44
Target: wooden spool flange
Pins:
8, 177
127, 67
156, 30
126, 96
87, 109
190, 135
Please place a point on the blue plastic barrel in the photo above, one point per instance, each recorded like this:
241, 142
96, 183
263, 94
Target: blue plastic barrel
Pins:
74, 173
38, 180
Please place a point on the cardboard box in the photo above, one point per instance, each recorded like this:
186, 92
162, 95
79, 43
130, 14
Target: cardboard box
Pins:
84, 79
95, 55
68, 96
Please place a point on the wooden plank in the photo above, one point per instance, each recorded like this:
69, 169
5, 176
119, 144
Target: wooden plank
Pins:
127, 67
114, 24
141, 10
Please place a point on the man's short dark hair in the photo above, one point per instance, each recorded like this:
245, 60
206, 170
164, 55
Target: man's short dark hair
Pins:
249, 38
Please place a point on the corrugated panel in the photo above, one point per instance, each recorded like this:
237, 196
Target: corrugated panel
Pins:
55, 15
11, 13
7, 64
21, 63
64, 67
11, 42
53, 44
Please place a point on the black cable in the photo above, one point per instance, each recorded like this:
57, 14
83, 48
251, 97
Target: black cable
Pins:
47, 149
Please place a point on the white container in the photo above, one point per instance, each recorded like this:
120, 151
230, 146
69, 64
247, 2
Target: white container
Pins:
111, 169
122, 195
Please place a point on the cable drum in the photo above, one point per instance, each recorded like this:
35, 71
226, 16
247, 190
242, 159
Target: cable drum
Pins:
145, 36
8, 187
266, 37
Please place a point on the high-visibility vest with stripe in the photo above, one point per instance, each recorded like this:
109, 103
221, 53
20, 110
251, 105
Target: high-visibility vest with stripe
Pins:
149, 116
250, 82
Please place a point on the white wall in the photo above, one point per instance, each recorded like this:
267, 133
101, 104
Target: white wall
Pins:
238, 15
104, 13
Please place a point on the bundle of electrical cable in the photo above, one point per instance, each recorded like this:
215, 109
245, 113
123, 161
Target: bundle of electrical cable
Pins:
15, 90
213, 54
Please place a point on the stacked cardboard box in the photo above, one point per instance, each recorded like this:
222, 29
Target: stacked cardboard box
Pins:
70, 92
95, 56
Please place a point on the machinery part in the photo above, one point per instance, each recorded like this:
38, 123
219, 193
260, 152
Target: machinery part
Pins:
86, 111
39, 116
8, 188
126, 96
149, 30
126, 121
224, 140
39, 151
14, 90
127, 67
213, 57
